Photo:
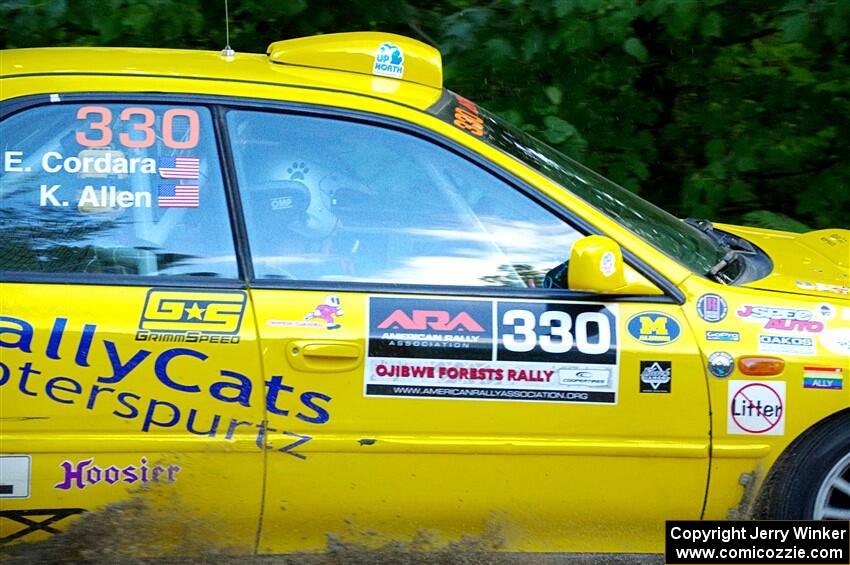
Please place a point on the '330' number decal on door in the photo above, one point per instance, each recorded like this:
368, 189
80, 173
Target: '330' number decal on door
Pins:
563, 333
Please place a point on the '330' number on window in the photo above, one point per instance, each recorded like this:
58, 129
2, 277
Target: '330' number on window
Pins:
141, 122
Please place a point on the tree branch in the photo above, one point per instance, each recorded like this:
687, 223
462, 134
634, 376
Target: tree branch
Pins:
747, 38
820, 167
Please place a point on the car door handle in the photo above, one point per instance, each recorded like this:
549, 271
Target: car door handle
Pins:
323, 356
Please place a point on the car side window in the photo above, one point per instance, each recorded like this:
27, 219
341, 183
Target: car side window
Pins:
333, 200
121, 189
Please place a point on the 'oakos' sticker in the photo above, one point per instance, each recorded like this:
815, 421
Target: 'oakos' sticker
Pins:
654, 328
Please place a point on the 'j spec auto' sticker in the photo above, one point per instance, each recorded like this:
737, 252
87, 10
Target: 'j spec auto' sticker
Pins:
756, 408
781, 319
535, 351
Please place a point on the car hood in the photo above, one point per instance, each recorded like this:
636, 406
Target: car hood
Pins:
815, 263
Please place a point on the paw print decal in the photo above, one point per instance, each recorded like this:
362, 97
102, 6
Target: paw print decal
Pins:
298, 171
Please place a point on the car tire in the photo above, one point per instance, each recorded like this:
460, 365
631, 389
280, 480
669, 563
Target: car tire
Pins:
811, 480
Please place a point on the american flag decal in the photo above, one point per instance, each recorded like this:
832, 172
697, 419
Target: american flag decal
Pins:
177, 196
186, 168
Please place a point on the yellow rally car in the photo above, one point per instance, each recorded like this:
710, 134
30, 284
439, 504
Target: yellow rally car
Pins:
313, 295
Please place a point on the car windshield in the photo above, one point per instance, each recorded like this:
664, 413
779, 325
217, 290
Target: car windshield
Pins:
684, 243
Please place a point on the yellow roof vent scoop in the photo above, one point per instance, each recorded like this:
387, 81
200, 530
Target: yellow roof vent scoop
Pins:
365, 52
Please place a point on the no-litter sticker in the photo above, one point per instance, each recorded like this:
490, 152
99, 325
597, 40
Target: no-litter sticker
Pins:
756, 408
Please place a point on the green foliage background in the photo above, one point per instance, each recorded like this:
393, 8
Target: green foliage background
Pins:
733, 110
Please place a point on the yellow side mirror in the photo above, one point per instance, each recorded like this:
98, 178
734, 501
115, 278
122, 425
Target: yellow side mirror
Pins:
596, 265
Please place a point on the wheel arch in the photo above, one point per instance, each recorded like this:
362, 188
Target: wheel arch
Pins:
786, 461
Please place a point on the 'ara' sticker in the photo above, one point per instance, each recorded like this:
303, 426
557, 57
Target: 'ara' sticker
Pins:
486, 350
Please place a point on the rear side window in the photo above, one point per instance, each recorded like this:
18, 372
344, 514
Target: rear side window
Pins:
115, 189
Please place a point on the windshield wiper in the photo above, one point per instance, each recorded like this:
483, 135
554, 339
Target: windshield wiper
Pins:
734, 247
728, 258
726, 240
701, 225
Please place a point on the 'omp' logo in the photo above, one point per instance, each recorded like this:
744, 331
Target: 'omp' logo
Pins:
174, 315
439, 320
653, 328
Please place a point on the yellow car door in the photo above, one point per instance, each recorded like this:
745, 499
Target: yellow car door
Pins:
129, 372
428, 382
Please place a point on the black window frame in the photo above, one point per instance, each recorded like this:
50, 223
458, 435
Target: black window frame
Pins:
220, 105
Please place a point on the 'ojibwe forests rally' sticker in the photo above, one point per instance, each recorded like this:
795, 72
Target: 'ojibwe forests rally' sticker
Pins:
492, 350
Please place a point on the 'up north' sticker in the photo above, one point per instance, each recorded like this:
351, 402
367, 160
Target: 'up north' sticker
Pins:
389, 61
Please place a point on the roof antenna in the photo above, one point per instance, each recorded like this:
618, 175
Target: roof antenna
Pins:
227, 53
